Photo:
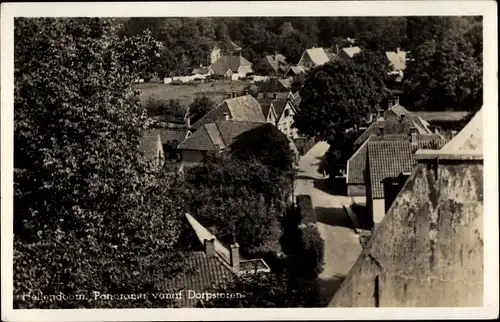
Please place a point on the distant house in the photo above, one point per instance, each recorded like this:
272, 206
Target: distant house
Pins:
222, 49
294, 71
397, 62
277, 63
428, 250
217, 137
232, 67
313, 57
347, 53
282, 110
394, 125
201, 72
151, 147
446, 122
243, 108
211, 265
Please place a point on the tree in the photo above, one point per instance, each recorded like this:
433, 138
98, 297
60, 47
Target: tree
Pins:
199, 107
272, 290
442, 74
335, 97
83, 195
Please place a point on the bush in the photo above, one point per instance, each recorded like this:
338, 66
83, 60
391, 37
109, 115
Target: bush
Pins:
309, 260
301, 240
305, 208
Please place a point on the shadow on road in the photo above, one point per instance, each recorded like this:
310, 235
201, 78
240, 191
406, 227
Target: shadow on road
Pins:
329, 287
333, 217
331, 186
304, 177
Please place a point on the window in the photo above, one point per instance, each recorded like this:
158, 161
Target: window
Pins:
287, 113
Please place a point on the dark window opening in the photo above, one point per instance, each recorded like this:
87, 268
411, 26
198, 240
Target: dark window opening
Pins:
376, 292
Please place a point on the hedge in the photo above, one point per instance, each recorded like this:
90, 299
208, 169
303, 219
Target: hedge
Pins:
302, 241
304, 204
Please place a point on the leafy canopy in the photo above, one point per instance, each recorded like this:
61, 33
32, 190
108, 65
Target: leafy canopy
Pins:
90, 213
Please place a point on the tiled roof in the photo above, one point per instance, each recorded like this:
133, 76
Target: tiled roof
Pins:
397, 59
203, 273
275, 64
387, 159
270, 95
171, 134
266, 105
356, 165
318, 56
286, 83
150, 144
230, 130
200, 140
225, 63
201, 70
348, 52
396, 109
297, 70
243, 108
202, 234
442, 116
279, 105
395, 126
220, 134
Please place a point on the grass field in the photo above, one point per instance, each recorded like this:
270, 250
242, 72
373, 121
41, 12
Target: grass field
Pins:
216, 91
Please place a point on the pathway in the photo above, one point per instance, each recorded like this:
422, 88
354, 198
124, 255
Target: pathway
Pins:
342, 246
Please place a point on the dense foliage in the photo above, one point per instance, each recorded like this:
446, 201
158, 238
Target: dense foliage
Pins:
248, 189
199, 107
188, 41
301, 240
273, 290
90, 214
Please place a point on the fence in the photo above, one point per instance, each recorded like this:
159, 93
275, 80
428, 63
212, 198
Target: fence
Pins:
305, 144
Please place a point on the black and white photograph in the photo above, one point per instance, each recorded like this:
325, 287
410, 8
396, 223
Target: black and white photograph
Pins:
276, 160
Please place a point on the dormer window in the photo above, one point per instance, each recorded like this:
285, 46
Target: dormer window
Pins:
287, 113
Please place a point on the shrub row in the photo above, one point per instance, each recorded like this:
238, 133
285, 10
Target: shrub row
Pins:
301, 240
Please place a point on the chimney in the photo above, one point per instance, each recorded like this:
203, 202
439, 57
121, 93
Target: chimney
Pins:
188, 122
226, 115
210, 247
229, 95
397, 50
381, 126
413, 137
245, 92
235, 257
396, 100
453, 133
389, 104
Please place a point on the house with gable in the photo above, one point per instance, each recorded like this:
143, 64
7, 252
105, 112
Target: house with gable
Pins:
232, 67
397, 63
242, 108
428, 251
281, 111
277, 63
357, 163
313, 57
221, 49
209, 266
347, 53
218, 137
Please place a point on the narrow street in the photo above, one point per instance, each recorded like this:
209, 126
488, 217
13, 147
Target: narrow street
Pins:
342, 246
